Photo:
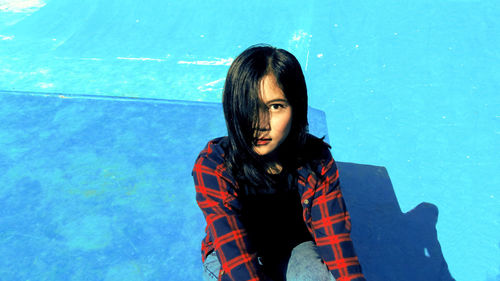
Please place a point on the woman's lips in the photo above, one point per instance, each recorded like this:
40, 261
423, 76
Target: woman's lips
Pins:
263, 141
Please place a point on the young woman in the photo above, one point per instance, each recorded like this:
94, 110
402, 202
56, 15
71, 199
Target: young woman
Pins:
270, 191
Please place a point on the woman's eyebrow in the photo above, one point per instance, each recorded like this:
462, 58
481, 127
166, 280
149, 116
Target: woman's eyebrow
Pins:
275, 100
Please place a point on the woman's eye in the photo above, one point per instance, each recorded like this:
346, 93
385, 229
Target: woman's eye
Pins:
276, 106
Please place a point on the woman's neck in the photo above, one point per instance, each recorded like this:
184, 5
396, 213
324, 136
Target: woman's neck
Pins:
274, 169
273, 163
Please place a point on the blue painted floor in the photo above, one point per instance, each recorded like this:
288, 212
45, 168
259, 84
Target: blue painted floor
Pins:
101, 189
411, 87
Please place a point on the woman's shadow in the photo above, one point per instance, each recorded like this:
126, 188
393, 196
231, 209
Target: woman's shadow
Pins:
391, 245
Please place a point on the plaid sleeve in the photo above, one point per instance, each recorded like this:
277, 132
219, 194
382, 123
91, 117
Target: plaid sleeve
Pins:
224, 228
332, 226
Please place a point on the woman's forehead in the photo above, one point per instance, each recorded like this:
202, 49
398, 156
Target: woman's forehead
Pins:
270, 91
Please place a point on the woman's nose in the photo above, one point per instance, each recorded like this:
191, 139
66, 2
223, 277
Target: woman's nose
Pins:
264, 119
264, 125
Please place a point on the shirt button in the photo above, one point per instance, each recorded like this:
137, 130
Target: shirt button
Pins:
306, 201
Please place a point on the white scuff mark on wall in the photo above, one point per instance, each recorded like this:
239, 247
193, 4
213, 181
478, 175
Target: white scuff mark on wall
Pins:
3, 37
8, 70
58, 43
43, 71
44, 85
299, 46
21, 6
301, 35
140, 59
203, 89
211, 86
96, 59
307, 59
213, 83
217, 61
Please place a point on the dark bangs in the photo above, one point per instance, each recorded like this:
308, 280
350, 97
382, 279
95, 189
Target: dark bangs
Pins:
241, 97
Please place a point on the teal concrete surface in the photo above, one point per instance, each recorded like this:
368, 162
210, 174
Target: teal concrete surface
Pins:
411, 86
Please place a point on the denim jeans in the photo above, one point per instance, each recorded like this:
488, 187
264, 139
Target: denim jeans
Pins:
304, 264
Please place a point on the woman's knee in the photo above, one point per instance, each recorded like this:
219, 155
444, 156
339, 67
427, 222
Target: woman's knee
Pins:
211, 267
305, 264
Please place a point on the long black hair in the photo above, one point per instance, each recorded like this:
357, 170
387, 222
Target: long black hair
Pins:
241, 110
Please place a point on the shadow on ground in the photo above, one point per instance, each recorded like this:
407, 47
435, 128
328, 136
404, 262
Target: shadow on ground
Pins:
391, 245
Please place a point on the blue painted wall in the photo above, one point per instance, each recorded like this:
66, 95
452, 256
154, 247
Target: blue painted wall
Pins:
408, 85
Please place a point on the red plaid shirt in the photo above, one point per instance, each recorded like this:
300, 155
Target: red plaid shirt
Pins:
324, 213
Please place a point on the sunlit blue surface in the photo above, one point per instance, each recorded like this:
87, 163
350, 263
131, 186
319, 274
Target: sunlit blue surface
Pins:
408, 86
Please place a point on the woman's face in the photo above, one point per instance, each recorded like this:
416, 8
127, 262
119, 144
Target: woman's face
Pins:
275, 117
